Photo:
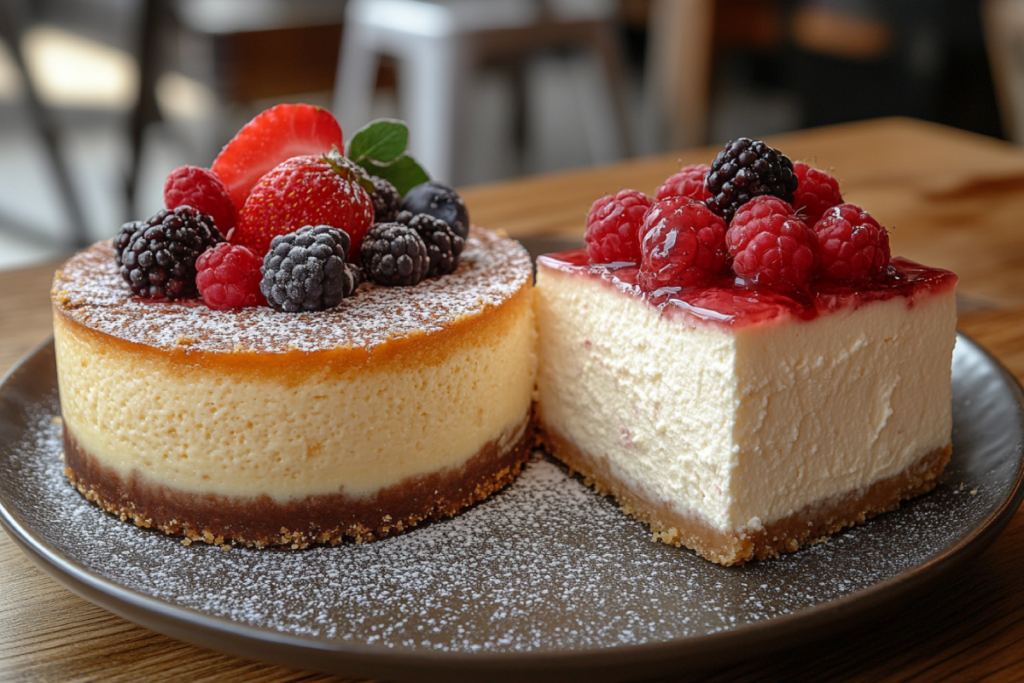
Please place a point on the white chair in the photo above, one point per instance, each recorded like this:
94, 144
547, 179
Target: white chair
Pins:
439, 44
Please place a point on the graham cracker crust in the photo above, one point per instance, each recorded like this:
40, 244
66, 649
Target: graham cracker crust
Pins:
809, 525
326, 518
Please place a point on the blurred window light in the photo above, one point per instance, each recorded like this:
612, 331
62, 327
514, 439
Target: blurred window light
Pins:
181, 97
70, 70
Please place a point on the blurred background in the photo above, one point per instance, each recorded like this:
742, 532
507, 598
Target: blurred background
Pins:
99, 99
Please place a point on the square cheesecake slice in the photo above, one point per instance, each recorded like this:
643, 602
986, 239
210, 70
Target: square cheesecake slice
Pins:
742, 423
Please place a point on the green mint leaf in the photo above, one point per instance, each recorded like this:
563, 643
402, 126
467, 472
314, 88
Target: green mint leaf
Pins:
380, 142
404, 172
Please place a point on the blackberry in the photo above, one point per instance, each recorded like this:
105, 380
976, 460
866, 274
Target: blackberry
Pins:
386, 200
123, 236
306, 270
440, 201
394, 254
158, 260
747, 168
444, 245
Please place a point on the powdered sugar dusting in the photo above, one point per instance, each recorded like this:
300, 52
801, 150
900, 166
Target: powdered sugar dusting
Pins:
89, 289
546, 565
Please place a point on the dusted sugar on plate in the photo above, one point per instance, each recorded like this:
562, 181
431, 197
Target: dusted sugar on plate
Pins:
740, 363
341, 366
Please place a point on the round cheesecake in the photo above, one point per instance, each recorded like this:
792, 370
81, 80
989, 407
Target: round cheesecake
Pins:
268, 428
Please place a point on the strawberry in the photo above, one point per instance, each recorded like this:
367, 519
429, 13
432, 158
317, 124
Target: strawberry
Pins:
306, 190
276, 135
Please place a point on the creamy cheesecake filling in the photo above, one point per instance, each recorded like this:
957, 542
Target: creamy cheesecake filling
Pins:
721, 422
320, 518
312, 427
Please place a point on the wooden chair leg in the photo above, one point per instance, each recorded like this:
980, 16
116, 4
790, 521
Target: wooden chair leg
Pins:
13, 29
146, 110
609, 47
677, 97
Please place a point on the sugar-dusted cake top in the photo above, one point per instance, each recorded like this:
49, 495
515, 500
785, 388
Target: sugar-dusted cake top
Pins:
733, 302
90, 290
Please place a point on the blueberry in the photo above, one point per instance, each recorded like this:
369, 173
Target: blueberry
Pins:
440, 201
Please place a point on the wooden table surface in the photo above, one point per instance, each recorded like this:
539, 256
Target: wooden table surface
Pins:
951, 199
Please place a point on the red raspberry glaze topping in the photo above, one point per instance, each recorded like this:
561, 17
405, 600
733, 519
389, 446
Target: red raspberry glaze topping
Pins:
770, 245
228, 276
683, 245
201, 189
689, 182
816, 193
852, 247
613, 227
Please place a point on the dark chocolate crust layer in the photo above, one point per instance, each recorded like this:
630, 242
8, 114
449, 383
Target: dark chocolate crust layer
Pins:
325, 518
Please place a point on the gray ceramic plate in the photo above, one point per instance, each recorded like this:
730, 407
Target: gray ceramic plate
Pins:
545, 579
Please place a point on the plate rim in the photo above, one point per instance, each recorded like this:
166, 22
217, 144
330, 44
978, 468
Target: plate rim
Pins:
607, 663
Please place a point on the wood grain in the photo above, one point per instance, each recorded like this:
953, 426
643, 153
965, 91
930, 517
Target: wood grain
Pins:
952, 199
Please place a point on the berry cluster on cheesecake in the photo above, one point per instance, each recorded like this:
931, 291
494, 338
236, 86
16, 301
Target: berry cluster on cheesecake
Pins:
303, 346
740, 362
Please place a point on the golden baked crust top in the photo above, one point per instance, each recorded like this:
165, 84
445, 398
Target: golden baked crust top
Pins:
89, 290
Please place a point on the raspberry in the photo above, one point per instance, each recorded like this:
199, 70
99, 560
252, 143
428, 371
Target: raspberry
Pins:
771, 246
159, 260
306, 270
444, 246
684, 245
743, 170
613, 227
202, 190
817, 192
852, 247
386, 200
394, 255
439, 201
228, 276
689, 182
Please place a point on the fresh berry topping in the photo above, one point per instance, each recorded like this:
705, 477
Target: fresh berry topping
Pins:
852, 247
683, 246
159, 260
201, 189
386, 200
816, 193
613, 227
770, 245
306, 270
124, 236
743, 170
276, 135
306, 190
394, 254
228, 276
440, 201
689, 182
444, 246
